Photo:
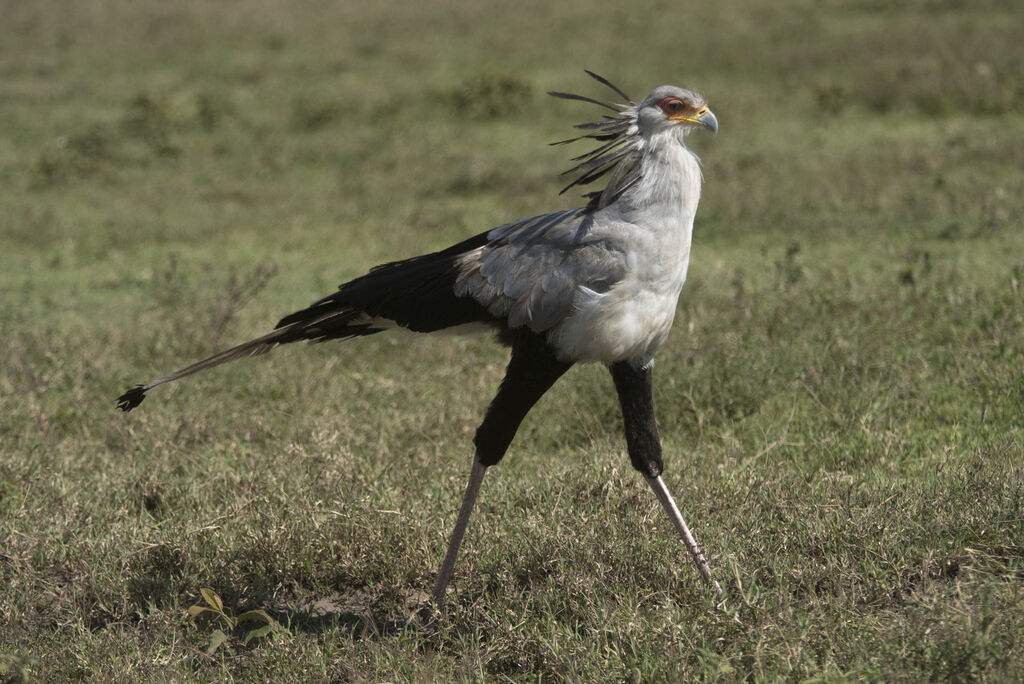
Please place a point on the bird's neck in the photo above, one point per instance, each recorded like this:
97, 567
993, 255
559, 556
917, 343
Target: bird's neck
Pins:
670, 179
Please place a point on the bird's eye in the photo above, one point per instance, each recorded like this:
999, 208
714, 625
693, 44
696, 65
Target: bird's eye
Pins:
672, 105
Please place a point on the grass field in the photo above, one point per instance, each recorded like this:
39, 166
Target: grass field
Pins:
841, 400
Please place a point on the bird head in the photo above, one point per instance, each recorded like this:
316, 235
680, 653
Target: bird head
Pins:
674, 108
624, 137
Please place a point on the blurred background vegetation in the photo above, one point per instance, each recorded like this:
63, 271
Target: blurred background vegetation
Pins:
841, 399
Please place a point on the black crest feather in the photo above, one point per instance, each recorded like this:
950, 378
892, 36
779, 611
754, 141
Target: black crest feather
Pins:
617, 155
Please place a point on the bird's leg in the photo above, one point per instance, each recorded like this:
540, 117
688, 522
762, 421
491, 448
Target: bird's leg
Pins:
633, 384
476, 477
661, 491
532, 370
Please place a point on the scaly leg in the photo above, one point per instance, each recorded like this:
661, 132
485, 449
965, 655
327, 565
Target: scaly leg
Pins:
661, 491
476, 477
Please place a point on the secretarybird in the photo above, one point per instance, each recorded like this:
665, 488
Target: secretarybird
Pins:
598, 283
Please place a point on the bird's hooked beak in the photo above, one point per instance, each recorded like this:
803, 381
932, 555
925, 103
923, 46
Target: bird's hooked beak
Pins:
702, 117
706, 118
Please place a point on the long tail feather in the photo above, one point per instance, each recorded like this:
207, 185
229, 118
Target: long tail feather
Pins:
417, 294
260, 345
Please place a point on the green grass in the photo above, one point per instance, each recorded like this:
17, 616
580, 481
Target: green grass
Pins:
840, 401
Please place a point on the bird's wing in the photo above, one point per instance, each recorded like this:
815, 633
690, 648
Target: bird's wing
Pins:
416, 293
531, 272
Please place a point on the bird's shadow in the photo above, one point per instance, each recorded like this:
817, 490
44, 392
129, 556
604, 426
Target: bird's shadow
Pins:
358, 611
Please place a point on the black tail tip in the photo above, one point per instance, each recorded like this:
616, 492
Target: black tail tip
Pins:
132, 398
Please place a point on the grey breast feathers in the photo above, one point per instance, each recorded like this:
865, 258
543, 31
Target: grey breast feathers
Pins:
531, 272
